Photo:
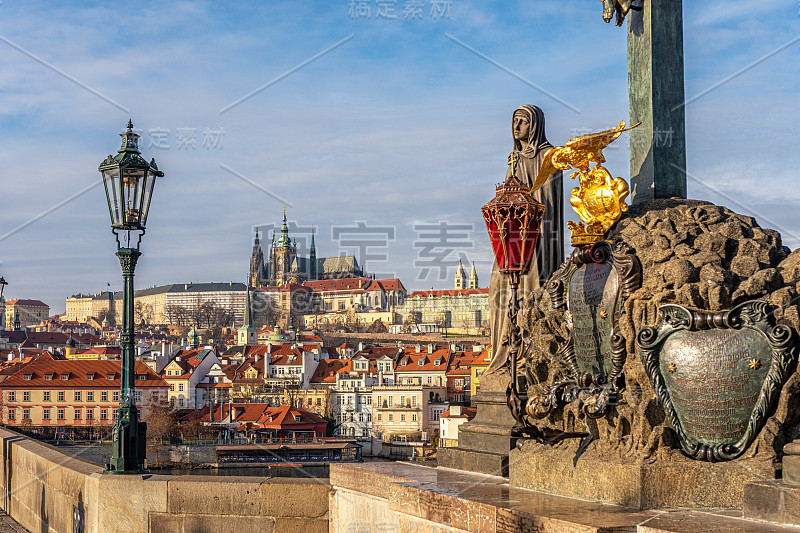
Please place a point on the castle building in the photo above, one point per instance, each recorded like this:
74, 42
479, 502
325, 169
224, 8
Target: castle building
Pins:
282, 265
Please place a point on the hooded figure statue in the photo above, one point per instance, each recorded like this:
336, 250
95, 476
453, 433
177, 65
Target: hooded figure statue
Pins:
530, 148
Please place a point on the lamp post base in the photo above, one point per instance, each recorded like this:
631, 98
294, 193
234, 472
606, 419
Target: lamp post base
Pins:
128, 449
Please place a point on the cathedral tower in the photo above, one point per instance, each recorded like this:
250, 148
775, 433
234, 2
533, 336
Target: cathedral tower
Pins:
461, 277
473, 277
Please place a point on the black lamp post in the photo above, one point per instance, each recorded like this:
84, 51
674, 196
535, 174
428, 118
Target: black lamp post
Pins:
3, 284
128, 181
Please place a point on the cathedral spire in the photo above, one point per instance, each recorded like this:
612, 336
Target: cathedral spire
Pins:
284, 238
460, 281
473, 277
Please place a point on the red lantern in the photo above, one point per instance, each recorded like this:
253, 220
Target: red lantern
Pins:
513, 219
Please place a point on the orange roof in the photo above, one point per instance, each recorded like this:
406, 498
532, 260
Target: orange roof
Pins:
264, 416
393, 284
328, 368
449, 292
466, 412
342, 284
84, 374
409, 361
34, 303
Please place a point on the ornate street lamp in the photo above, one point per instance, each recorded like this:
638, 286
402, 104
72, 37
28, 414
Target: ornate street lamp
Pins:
128, 181
513, 219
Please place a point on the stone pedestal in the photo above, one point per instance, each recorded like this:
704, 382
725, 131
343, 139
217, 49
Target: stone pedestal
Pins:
563, 471
484, 442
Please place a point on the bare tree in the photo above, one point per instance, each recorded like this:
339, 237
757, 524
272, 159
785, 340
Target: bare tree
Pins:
161, 423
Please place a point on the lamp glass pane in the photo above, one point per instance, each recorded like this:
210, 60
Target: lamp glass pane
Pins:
147, 191
131, 184
111, 177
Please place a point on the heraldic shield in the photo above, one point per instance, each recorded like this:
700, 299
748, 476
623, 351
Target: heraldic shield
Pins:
717, 375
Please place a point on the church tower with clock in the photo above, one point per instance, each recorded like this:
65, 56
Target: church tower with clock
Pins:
283, 254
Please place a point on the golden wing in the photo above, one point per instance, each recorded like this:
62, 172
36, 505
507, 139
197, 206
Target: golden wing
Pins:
598, 141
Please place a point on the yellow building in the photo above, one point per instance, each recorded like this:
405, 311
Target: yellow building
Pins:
476, 369
28, 312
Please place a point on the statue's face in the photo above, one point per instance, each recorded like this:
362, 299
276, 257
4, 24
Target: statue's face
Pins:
521, 127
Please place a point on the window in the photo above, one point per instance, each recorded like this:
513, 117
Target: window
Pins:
414, 417
430, 380
138, 396
78, 395
64, 377
390, 400
62, 414
180, 387
26, 377
402, 418
61, 396
89, 377
319, 401
77, 414
402, 401
379, 417
46, 395
48, 377
172, 387
172, 402
12, 396
90, 396
180, 402
103, 396
413, 401
26, 396
115, 396
142, 377
391, 417
369, 417
109, 377
45, 414
115, 413
12, 414
360, 417
297, 418
103, 414
90, 414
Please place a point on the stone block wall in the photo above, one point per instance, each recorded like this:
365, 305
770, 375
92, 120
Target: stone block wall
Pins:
45, 490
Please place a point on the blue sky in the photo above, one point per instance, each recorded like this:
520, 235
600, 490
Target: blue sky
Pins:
399, 125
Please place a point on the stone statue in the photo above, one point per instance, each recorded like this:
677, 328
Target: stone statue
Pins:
530, 150
621, 7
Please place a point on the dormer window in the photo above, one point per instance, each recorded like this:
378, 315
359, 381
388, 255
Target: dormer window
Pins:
48, 377
437, 362
110, 377
64, 377
142, 377
421, 361
27, 377
297, 418
89, 377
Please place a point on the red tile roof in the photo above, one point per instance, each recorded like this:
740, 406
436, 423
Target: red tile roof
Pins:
448, 292
342, 284
393, 284
37, 303
466, 412
328, 368
78, 372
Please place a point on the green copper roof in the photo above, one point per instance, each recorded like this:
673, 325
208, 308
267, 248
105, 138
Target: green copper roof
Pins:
284, 241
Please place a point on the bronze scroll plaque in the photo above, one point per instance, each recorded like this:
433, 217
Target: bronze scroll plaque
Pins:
590, 289
717, 375
715, 378
592, 303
